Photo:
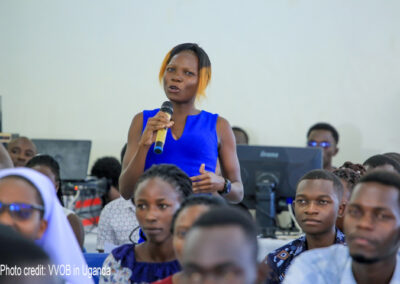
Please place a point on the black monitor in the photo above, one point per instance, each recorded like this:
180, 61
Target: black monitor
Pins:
270, 175
72, 155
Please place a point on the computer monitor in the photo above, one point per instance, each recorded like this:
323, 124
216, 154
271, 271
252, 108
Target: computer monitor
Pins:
270, 175
72, 155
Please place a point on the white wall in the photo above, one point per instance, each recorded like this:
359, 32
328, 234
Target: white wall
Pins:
81, 69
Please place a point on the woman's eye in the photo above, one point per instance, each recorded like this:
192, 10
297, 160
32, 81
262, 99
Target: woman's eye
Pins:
323, 202
189, 73
382, 216
163, 206
170, 69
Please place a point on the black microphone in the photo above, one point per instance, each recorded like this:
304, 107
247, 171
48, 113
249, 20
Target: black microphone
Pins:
167, 108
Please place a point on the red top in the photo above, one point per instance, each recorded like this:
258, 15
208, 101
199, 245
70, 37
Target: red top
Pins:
167, 280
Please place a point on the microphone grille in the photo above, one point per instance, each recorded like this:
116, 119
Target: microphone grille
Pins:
167, 107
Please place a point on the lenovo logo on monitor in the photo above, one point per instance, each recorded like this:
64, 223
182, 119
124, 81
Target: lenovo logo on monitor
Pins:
264, 154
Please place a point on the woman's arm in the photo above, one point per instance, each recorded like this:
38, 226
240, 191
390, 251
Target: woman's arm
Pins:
77, 228
137, 148
208, 182
230, 167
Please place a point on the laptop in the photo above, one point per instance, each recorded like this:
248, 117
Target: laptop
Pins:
72, 155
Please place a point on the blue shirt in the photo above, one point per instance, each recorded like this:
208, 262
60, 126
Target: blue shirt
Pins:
331, 265
197, 145
280, 259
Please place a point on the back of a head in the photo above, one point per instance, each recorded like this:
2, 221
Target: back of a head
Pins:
393, 155
108, 167
380, 161
324, 175
325, 126
229, 216
350, 176
240, 135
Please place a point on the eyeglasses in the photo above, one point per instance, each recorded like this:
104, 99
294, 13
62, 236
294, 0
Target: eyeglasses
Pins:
20, 211
323, 144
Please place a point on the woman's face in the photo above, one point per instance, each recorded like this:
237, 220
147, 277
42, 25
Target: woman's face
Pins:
47, 172
183, 223
15, 190
156, 202
181, 77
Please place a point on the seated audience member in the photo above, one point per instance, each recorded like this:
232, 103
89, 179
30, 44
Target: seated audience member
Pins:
5, 160
110, 168
349, 179
221, 247
316, 206
381, 162
372, 227
191, 209
18, 251
158, 194
325, 136
21, 150
48, 166
117, 225
29, 205
241, 136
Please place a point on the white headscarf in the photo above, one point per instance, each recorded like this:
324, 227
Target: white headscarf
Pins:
58, 240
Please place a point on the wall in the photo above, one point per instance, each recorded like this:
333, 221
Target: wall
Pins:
82, 69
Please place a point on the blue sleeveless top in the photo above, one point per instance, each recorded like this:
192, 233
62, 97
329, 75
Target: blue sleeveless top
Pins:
197, 145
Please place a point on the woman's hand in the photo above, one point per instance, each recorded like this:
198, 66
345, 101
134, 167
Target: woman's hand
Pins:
207, 182
160, 121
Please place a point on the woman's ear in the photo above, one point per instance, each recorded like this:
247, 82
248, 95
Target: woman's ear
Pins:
42, 229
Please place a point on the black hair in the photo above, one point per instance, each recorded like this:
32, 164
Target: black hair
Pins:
358, 168
393, 155
325, 175
53, 165
350, 176
380, 160
236, 128
207, 200
170, 174
108, 167
16, 250
230, 216
204, 61
383, 177
39, 198
123, 151
324, 126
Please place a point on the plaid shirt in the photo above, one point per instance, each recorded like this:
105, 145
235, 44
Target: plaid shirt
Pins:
280, 259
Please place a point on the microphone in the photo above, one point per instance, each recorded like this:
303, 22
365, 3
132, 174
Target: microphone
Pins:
162, 133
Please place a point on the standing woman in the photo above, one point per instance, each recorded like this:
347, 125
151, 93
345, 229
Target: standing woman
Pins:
195, 139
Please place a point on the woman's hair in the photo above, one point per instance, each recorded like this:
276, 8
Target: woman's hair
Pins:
108, 167
358, 168
207, 200
204, 64
52, 164
170, 174
350, 176
39, 198
48, 161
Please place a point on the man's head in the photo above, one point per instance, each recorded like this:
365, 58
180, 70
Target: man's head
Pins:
372, 218
221, 247
240, 135
318, 202
325, 136
381, 162
21, 150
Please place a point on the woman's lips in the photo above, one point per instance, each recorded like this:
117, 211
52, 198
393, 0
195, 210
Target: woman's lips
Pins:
173, 89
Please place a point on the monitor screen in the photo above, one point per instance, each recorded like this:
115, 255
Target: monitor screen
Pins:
72, 155
283, 166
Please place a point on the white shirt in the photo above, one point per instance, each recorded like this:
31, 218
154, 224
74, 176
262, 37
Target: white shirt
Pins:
326, 266
117, 221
